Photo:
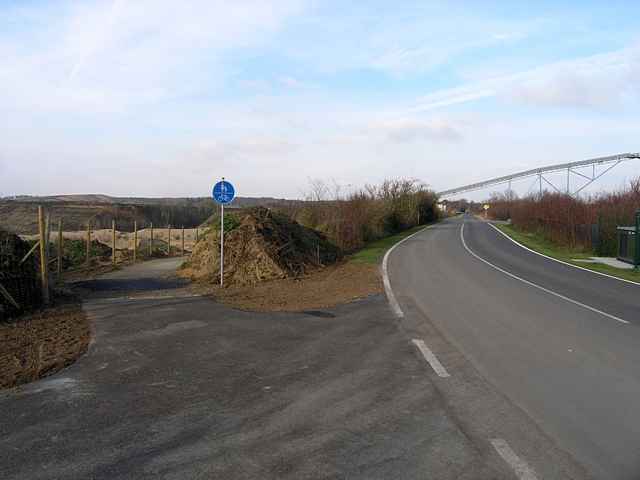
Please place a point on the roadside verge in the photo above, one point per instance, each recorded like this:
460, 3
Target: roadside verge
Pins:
535, 244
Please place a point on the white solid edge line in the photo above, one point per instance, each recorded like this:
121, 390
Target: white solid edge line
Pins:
391, 298
560, 261
430, 357
570, 300
520, 467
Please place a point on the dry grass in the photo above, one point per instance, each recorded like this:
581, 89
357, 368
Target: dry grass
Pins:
330, 286
40, 344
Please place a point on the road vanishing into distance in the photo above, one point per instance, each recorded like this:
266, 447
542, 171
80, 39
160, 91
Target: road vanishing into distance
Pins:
493, 363
561, 343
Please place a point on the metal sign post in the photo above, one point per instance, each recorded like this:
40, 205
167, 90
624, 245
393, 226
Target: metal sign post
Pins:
637, 241
222, 244
223, 193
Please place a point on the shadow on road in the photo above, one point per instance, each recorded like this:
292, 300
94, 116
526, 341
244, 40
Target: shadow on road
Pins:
128, 285
151, 276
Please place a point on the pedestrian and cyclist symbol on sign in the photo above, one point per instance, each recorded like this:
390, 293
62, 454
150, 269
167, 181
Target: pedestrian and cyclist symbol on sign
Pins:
223, 192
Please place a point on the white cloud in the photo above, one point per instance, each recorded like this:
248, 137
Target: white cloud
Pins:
412, 130
243, 149
109, 56
291, 82
599, 81
396, 39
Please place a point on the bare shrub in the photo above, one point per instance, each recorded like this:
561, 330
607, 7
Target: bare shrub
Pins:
350, 220
568, 221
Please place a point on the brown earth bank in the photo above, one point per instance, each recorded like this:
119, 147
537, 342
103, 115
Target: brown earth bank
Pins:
19, 214
42, 343
332, 285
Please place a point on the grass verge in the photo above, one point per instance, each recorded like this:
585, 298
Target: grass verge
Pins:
540, 244
373, 252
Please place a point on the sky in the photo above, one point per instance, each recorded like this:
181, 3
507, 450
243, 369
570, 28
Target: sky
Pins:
162, 98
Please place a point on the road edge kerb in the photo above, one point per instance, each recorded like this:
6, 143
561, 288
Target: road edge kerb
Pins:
560, 261
391, 298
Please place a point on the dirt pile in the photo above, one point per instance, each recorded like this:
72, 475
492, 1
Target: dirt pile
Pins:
265, 246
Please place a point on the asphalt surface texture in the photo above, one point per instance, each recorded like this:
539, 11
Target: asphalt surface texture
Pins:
176, 386
552, 341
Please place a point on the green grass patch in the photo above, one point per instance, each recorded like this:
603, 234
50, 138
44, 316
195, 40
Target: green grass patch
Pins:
374, 251
537, 242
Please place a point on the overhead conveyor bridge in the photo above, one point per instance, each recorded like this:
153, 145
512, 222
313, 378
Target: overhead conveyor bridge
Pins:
610, 162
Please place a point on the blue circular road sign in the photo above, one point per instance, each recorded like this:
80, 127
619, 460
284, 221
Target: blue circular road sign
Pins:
223, 192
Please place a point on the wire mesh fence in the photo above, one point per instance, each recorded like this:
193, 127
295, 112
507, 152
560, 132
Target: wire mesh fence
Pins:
24, 258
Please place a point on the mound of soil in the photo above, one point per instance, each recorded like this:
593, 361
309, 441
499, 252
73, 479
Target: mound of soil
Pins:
265, 246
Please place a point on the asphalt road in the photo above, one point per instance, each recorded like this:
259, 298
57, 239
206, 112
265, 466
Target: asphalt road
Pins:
561, 353
180, 387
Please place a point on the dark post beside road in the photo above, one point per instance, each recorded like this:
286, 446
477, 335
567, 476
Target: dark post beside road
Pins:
113, 242
151, 240
637, 242
88, 253
135, 241
60, 246
44, 274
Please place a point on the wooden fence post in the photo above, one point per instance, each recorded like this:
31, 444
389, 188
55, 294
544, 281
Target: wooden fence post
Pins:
135, 241
47, 230
44, 274
151, 241
60, 247
182, 255
169, 241
197, 234
88, 243
113, 242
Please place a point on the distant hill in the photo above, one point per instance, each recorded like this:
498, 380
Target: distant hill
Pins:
18, 214
95, 198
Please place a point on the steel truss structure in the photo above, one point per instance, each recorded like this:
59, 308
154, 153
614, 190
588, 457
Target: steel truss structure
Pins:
610, 162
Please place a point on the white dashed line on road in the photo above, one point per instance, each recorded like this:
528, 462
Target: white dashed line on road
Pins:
431, 358
520, 467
